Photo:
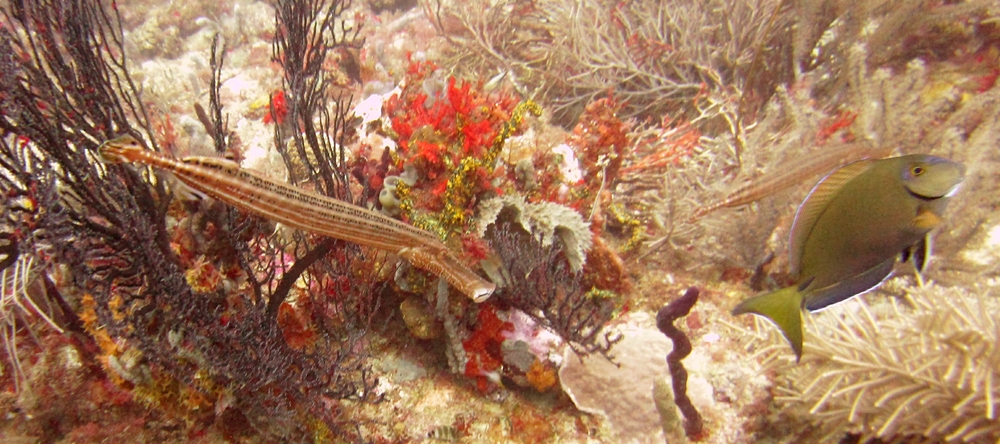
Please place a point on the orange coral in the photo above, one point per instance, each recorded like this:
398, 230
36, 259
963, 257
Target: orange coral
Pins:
605, 270
203, 276
541, 376
115, 305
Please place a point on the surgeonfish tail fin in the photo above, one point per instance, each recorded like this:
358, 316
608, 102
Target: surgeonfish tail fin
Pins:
784, 309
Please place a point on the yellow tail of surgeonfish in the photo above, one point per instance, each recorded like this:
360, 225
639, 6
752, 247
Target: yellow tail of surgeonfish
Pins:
784, 308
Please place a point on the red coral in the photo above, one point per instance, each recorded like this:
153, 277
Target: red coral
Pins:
673, 142
830, 126
295, 328
600, 140
477, 136
475, 247
431, 153
985, 82
278, 108
459, 98
418, 68
483, 347
436, 132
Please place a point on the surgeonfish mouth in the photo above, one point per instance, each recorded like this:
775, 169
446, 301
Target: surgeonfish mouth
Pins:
951, 192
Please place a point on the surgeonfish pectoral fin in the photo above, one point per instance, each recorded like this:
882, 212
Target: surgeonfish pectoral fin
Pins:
784, 309
926, 220
848, 288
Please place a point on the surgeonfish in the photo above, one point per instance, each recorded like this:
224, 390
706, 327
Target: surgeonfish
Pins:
850, 231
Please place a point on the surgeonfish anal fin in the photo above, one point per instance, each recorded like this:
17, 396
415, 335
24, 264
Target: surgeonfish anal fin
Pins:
784, 309
824, 297
921, 253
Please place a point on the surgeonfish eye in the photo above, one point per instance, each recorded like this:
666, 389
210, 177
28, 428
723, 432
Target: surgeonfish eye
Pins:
931, 177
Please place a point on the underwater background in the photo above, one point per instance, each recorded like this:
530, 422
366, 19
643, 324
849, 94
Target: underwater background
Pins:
624, 174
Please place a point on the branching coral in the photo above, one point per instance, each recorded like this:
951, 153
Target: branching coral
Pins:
66, 86
601, 138
925, 366
306, 31
646, 52
31, 233
540, 282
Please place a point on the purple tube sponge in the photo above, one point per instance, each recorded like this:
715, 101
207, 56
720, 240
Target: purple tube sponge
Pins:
676, 309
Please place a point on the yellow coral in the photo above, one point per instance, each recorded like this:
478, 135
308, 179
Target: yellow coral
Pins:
203, 276
459, 188
115, 304
633, 225
88, 315
405, 199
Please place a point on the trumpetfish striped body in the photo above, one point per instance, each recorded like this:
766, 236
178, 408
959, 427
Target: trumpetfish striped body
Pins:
254, 193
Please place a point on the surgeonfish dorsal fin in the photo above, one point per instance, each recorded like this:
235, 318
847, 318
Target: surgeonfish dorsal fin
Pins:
814, 205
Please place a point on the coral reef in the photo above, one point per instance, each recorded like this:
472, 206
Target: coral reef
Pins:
184, 324
839, 108
450, 136
538, 280
588, 157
